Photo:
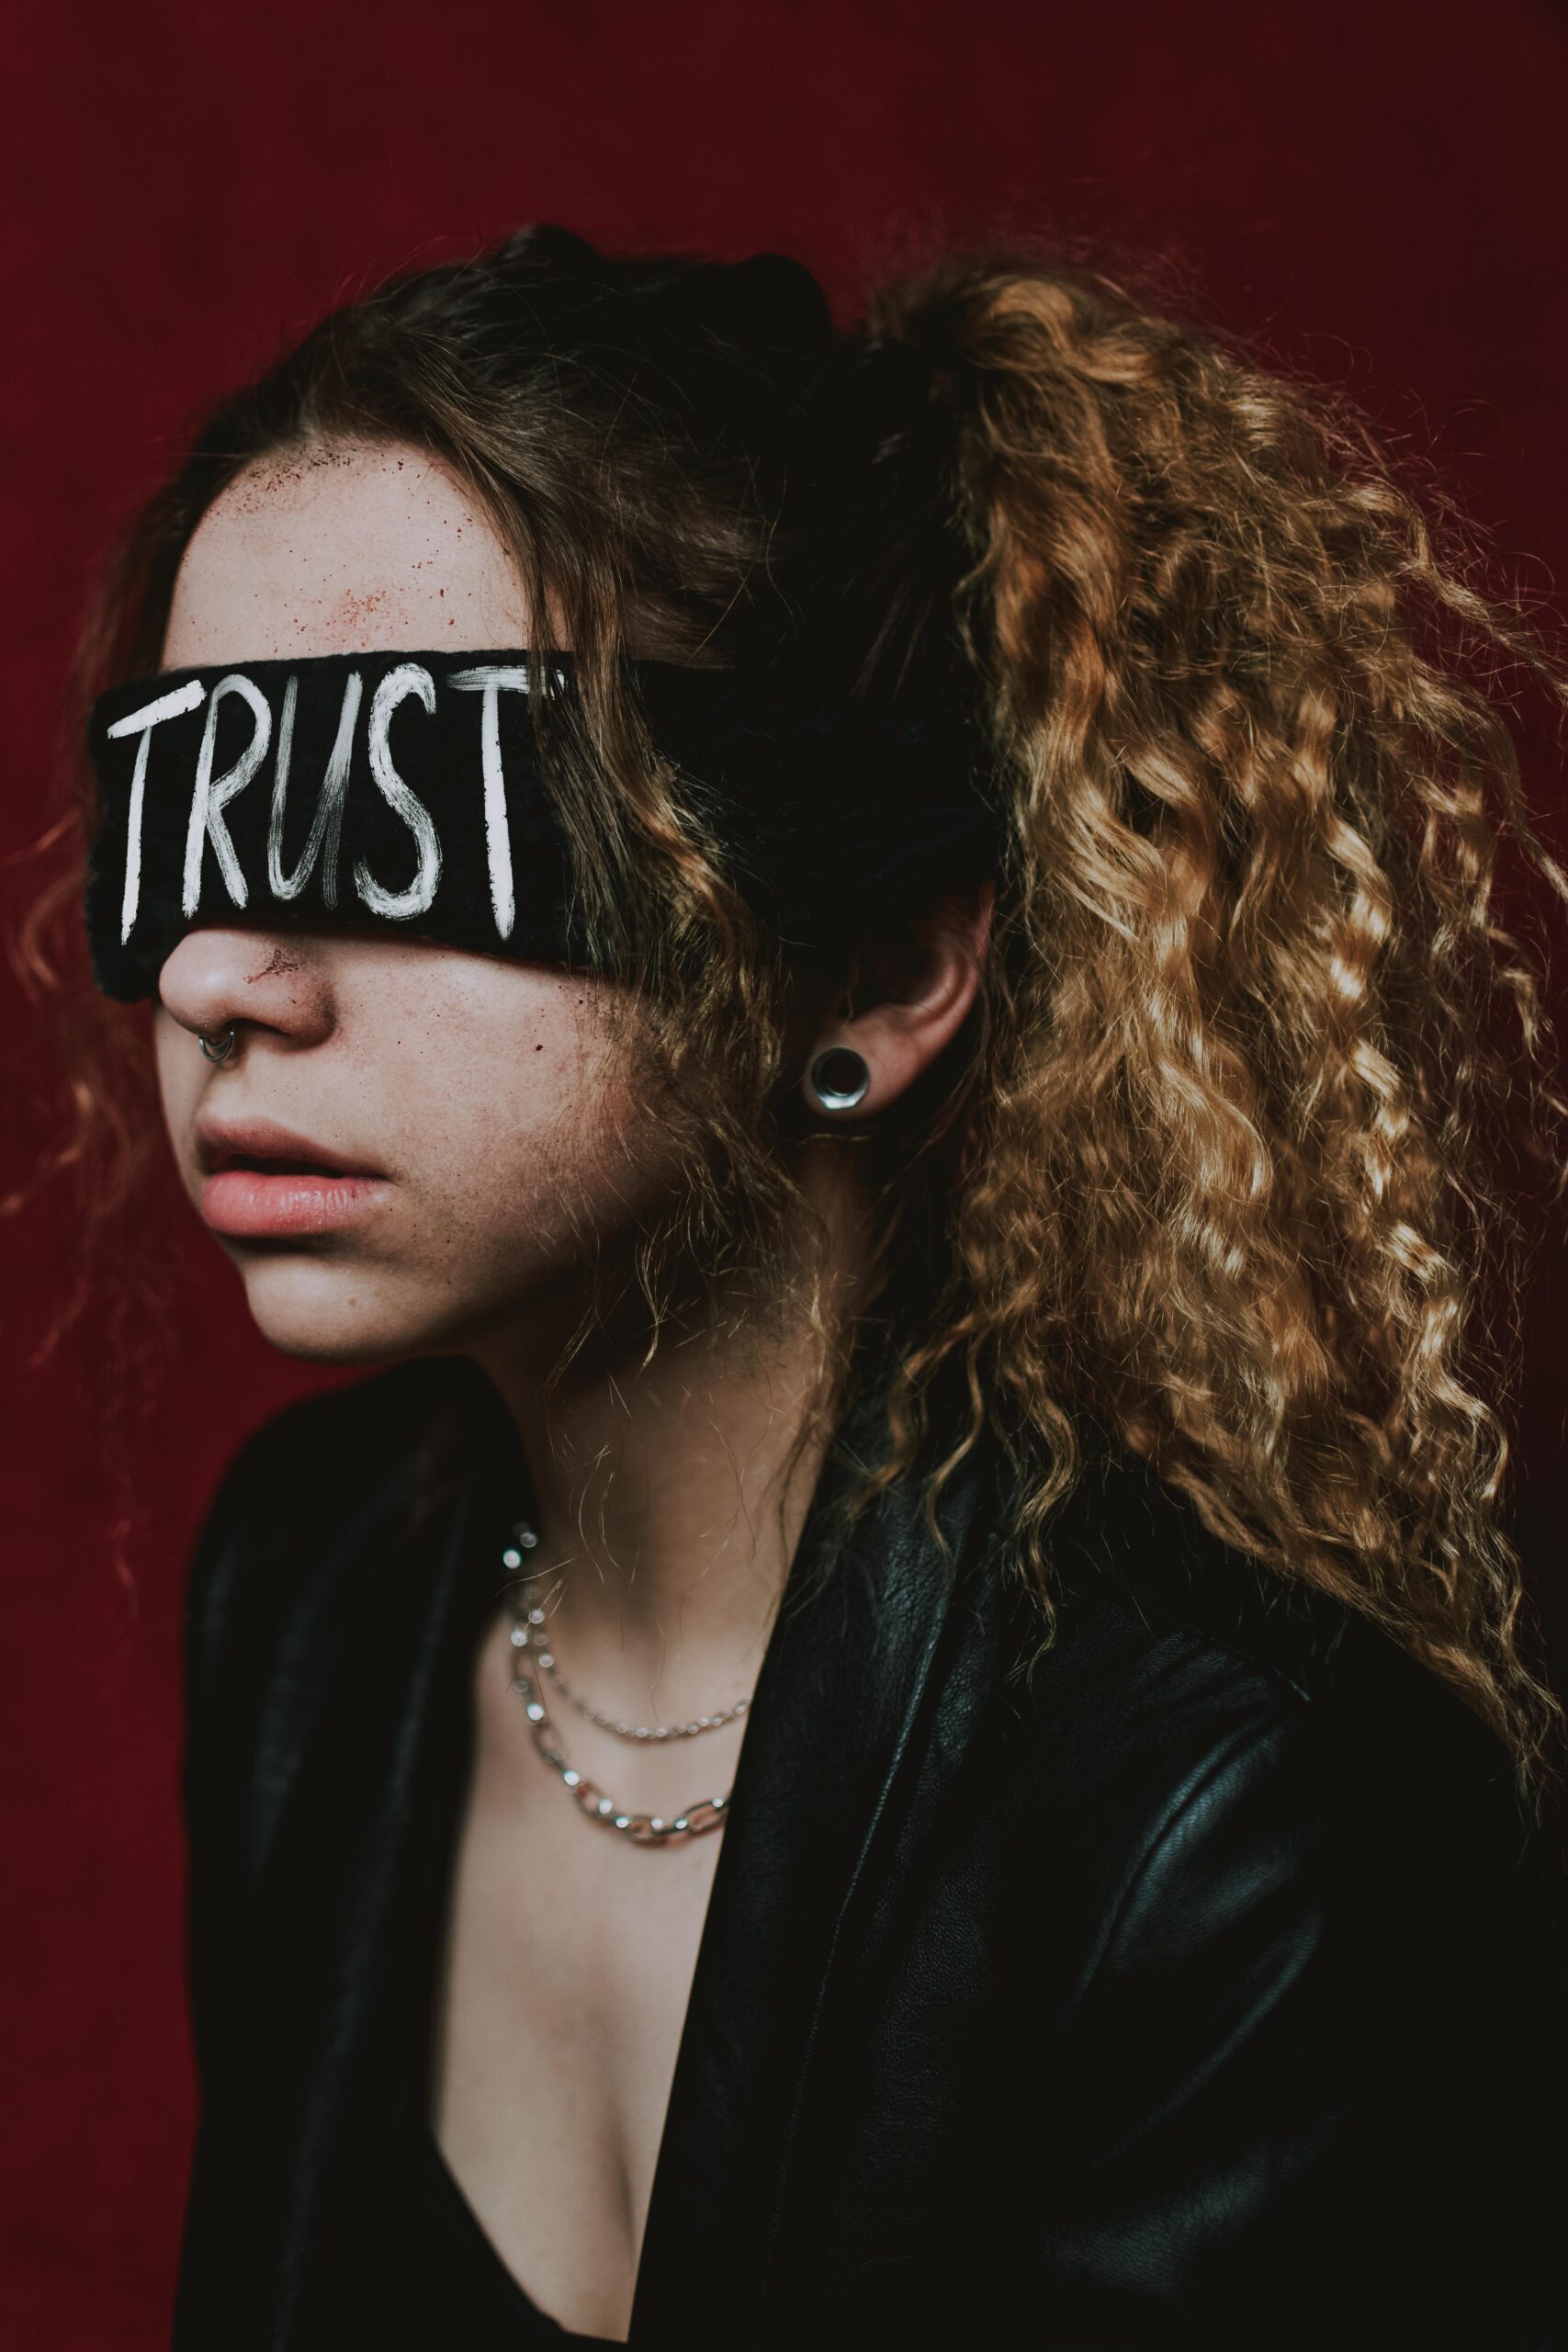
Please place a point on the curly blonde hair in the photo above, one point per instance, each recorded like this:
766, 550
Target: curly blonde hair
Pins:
1256, 1026
1218, 1158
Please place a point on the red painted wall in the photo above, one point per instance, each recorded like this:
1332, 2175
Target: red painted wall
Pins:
1380, 189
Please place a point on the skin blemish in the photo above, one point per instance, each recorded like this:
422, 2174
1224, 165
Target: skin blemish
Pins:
281, 962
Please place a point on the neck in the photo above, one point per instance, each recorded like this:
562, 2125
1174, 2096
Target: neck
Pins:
670, 1491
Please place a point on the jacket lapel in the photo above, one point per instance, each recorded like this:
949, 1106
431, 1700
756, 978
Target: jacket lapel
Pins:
366, 1740
830, 1748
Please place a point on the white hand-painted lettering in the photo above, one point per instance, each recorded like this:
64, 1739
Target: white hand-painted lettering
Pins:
400, 906
210, 797
491, 682
141, 723
326, 825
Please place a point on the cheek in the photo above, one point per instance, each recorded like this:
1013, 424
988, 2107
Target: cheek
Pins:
534, 1129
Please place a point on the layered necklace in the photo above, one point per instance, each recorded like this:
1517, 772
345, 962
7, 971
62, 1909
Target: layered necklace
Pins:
532, 1649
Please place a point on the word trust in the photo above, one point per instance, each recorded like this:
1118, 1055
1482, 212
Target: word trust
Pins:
211, 794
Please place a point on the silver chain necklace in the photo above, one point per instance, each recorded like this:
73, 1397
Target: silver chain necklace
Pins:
531, 1646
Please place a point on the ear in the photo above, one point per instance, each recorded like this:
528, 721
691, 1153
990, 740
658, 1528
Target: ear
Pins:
909, 996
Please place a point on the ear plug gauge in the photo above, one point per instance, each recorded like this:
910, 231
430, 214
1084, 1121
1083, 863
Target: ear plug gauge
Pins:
839, 1078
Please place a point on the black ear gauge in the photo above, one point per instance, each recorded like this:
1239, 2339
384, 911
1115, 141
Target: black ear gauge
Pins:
839, 1078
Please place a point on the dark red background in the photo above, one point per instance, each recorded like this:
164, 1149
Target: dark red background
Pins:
1378, 189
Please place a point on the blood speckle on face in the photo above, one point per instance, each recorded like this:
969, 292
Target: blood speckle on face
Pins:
340, 547
281, 962
350, 610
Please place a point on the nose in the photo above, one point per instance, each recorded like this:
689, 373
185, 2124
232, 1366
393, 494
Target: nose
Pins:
278, 982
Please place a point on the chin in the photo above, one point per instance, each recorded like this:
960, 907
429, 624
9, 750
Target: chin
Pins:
327, 1314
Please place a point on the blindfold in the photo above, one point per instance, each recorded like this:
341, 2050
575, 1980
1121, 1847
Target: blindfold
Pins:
410, 794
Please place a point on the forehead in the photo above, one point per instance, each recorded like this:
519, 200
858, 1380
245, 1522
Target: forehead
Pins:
343, 549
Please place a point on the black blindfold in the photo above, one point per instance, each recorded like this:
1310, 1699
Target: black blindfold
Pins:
410, 793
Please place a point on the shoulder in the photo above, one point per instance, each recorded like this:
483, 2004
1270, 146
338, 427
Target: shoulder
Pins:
1232, 1747
1305, 1955
344, 1438
313, 1481
1185, 1624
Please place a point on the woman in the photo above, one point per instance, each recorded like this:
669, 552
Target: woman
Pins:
860, 962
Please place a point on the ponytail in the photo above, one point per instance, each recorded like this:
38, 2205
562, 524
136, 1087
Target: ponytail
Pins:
1255, 1027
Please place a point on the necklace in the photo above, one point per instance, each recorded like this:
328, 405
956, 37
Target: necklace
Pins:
526, 1539
530, 1646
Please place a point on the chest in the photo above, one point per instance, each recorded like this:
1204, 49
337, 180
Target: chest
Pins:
563, 1985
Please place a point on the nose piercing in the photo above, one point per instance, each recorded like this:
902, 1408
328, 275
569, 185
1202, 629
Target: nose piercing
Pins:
216, 1048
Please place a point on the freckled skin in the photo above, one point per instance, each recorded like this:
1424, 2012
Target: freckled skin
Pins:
522, 1150
510, 1168
507, 1168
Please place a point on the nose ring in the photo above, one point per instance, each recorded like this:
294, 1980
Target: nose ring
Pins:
216, 1048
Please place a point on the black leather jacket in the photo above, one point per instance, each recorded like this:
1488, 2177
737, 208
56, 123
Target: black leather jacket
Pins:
1204, 1991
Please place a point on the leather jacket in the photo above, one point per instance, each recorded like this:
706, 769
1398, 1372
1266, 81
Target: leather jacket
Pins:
1204, 1988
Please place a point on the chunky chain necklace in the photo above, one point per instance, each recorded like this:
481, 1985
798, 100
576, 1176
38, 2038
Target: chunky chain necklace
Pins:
531, 1646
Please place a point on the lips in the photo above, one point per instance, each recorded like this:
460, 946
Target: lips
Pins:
262, 1180
267, 1146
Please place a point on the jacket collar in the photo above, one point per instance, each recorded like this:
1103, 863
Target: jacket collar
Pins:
824, 1774
371, 1769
